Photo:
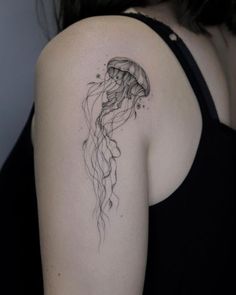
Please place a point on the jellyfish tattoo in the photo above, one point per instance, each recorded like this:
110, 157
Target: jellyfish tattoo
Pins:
108, 105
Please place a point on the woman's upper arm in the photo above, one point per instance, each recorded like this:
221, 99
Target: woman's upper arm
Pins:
90, 163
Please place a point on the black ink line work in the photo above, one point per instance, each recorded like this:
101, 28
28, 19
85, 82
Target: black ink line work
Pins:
108, 105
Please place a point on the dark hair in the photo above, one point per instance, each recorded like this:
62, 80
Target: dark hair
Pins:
71, 11
193, 14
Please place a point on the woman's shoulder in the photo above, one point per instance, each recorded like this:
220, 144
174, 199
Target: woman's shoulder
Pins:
120, 73
106, 29
86, 49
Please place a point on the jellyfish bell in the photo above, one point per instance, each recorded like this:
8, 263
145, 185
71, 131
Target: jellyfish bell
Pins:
126, 81
129, 71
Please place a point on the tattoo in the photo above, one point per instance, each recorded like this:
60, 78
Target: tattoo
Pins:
108, 105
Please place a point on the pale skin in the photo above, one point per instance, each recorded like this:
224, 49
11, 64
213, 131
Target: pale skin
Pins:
158, 141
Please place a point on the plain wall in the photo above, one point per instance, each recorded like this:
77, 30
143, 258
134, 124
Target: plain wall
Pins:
21, 39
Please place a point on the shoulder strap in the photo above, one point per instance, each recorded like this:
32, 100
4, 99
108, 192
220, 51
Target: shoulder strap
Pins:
186, 60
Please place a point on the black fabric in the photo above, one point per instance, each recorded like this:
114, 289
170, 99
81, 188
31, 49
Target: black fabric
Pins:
19, 212
191, 233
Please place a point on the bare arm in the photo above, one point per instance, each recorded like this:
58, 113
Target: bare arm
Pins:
90, 163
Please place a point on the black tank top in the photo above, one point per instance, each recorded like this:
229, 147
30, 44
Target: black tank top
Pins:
191, 242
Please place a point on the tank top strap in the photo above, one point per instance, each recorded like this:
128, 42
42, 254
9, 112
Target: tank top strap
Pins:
187, 62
